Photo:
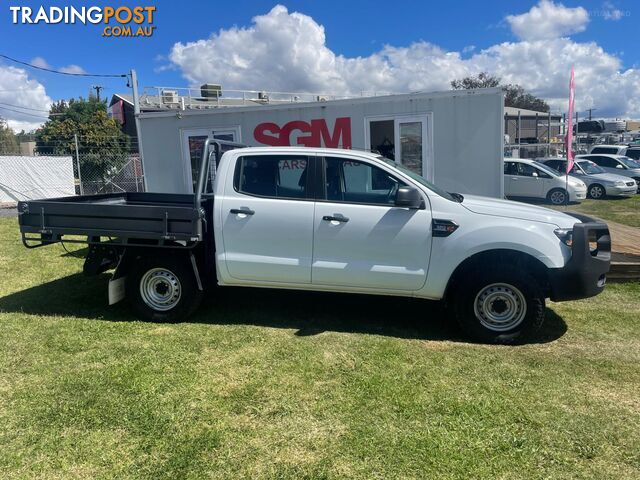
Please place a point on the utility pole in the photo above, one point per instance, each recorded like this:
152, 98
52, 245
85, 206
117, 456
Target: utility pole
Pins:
97, 88
590, 110
133, 78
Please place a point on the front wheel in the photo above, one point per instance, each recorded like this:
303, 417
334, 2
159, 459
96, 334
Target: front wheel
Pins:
597, 191
558, 196
500, 305
163, 289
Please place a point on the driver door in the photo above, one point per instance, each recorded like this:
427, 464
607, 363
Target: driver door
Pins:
529, 181
360, 238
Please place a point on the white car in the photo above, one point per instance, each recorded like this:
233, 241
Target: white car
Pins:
330, 220
529, 179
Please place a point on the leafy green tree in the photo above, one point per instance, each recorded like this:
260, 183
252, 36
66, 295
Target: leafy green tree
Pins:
515, 95
102, 146
8, 140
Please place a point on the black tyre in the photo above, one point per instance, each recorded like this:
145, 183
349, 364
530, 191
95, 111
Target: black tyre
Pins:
596, 191
163, 289
498, 305
558, 196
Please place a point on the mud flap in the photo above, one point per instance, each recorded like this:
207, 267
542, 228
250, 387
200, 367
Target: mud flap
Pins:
117, 290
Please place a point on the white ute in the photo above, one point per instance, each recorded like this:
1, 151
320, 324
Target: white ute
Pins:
332, 220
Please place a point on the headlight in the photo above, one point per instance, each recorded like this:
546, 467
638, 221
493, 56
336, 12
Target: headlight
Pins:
619, 183
565, 235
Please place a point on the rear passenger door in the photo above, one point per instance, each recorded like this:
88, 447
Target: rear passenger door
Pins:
267, 215
360, 238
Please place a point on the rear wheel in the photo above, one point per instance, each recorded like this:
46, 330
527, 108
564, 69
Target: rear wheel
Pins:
163, 289
498, 305
558, 196
597, 191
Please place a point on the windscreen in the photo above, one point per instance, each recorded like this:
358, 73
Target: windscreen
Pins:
590, 168
629, 162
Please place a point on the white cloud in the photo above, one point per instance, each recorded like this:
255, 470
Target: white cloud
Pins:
23, 100
610, 12
285, 51
548, 20
40, 62
72, 69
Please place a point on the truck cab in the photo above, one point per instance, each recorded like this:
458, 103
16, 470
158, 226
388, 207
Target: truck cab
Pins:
344, 221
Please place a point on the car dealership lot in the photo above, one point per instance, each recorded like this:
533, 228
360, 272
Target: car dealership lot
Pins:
353, 387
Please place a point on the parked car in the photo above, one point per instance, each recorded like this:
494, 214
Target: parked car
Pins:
631, 151
330, 220
599, 182
609, 149
530, 179
618, 164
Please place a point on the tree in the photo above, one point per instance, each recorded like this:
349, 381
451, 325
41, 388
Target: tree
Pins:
482, 80
8, 140
102, 146
515, 95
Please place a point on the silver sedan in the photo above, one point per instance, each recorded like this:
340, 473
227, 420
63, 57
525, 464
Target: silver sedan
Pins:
599, 183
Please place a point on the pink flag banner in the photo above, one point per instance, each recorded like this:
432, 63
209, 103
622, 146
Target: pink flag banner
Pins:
572, 88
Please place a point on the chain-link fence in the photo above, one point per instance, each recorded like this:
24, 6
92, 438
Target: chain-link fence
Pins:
68, 166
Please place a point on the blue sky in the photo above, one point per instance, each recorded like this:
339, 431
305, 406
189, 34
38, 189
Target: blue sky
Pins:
352, 30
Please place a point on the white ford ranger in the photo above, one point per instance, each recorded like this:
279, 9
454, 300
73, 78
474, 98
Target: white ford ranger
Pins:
330, 220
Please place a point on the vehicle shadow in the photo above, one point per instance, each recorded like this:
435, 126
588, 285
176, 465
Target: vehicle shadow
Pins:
309, 313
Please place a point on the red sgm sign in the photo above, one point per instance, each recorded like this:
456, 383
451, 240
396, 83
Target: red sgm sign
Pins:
310, 134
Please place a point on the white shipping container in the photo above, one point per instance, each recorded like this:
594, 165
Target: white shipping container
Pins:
454, 138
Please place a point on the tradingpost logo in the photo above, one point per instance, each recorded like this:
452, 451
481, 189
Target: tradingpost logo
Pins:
117, 21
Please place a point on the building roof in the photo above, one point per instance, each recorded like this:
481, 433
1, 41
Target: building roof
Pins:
155, 103
513, 112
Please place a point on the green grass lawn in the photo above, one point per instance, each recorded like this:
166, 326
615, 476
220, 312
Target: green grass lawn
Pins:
265, 384
621, 210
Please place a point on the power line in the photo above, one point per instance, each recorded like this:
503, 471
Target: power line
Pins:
119, 75
25, 108
24, 113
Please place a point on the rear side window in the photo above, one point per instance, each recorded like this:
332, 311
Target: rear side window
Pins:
604, 150
633, 153
604, 161
510, 168
556, 165
275, 176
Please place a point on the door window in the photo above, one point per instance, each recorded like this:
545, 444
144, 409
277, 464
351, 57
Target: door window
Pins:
275, 176
525, 170
633, 153
411, 146
194, 142
357, 182
510, 168
403, 139
604, 161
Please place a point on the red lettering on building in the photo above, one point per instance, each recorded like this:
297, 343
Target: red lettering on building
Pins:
312, 134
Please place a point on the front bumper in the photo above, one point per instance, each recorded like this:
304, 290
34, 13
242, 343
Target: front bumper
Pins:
576, 195
584, 275
621, 191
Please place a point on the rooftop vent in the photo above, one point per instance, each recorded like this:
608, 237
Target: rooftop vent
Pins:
170, 96
210, 90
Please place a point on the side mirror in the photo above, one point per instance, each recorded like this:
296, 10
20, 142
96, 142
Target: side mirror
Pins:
619, 166
408, 197
535, 174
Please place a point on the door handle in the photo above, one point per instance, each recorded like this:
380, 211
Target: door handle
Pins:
242, 211
331, 218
